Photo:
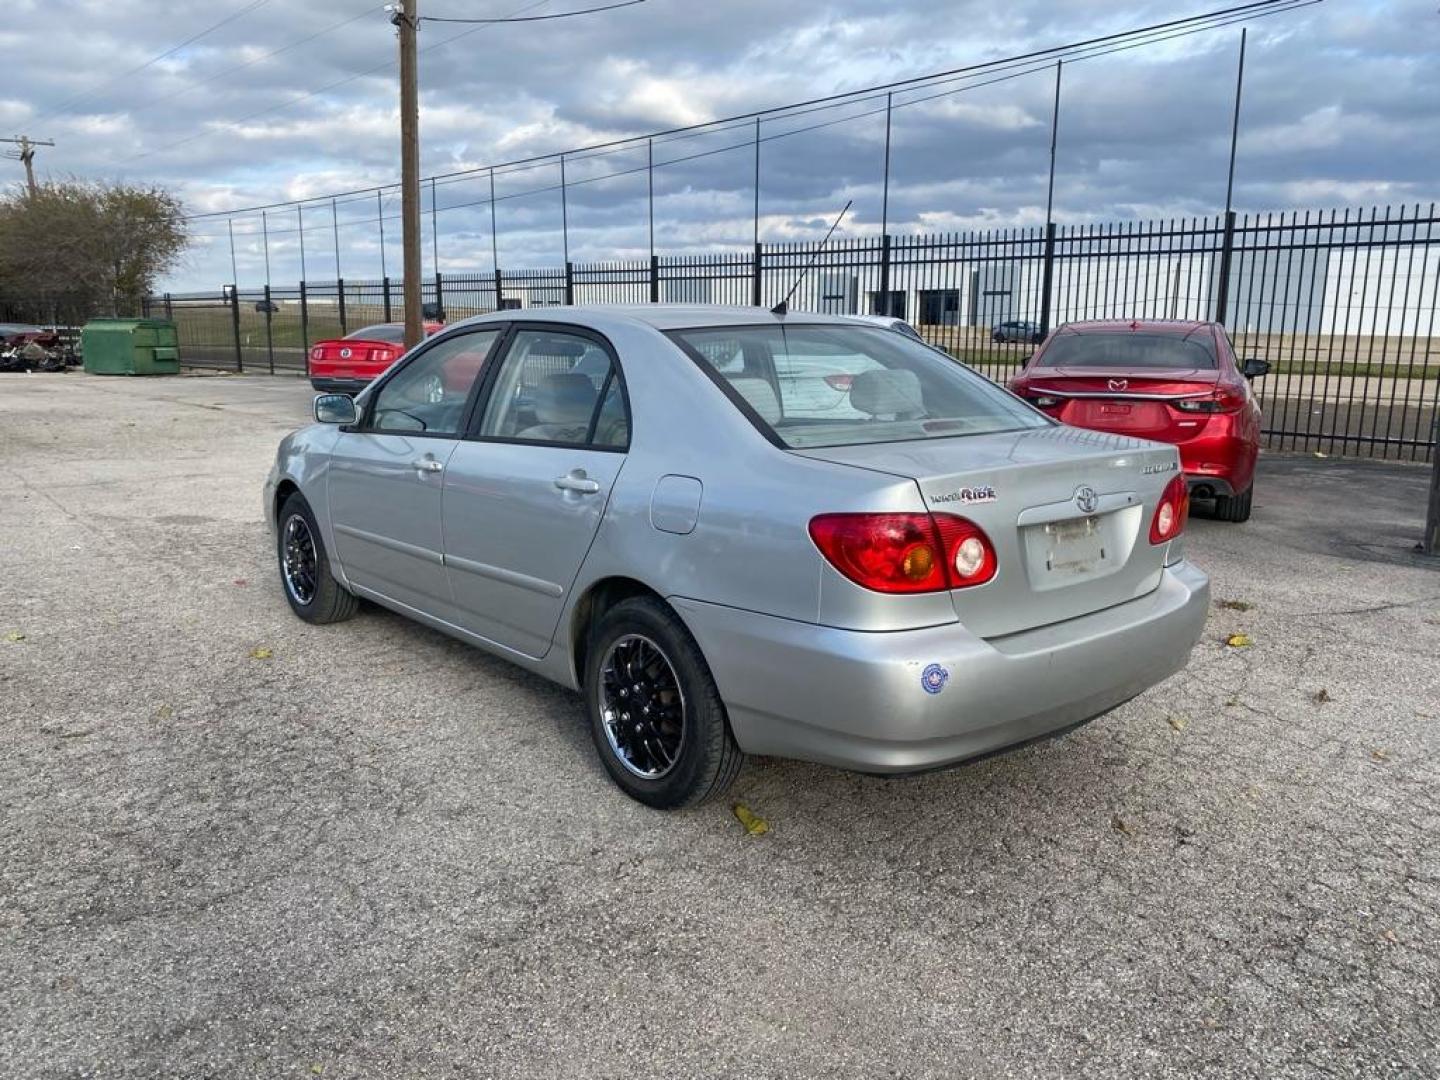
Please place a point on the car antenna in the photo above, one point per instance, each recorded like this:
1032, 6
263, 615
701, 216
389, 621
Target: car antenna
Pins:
781, 308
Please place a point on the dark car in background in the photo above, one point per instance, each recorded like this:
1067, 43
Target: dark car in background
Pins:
1172, 381
1017, 330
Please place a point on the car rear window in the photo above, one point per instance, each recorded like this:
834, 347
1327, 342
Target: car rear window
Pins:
390, 332
1131, 350
824, 385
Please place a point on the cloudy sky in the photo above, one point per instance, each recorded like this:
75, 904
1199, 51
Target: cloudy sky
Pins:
292, 99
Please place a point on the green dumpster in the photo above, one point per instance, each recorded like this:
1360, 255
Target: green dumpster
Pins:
130, 347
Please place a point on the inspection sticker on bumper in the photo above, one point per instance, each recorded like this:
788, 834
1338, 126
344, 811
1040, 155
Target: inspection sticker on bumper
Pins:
934, 678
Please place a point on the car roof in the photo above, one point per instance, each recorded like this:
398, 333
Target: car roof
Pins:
1178, 327
659, 316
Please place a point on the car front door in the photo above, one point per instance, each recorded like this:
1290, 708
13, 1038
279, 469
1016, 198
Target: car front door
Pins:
524, 496
386, 474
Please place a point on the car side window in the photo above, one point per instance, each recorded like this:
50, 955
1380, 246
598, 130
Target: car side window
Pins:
427, 396
557, 387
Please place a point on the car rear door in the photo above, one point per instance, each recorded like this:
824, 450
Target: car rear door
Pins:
524, 495
385, 475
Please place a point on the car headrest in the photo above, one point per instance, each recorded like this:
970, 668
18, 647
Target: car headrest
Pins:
761, 397
888, 392
566, 398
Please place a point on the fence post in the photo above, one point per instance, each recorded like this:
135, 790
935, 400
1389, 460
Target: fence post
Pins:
386, 282
569, 282
340, 299
169, 309
269, 329
654, 279
439, 294
755, 277
499, 290
1222, 298
885, 276
235, 328
1430, 545
1047, 279
305, 326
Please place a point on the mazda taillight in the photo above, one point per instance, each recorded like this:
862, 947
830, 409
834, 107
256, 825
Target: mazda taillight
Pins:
1227, 399
1171, 512
906, 553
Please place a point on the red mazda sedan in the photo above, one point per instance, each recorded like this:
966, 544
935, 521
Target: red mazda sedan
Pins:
1175, 382
347, 365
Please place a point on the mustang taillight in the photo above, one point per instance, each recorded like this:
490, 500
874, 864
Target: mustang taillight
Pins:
906, 553
317, 353
381, 356
1171, 512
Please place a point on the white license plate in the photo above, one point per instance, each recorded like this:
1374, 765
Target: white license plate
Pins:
1074, 547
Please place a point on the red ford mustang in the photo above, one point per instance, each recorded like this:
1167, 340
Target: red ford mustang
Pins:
347, 365
1175, 382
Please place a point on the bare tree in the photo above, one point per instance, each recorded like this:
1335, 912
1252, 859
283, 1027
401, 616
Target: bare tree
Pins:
75, 248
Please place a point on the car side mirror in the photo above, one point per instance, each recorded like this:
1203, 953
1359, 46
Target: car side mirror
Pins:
1254, 368
335, 409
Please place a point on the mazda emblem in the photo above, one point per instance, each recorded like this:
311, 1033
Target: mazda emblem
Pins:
1085, 499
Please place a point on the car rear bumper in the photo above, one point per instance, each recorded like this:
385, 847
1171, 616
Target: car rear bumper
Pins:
861, 700
328, 385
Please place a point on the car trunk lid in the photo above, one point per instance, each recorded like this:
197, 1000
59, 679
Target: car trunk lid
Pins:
1126, 402
1068, 512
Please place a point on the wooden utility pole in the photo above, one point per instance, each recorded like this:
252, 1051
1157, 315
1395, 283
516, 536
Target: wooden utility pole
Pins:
406, 19
26, 154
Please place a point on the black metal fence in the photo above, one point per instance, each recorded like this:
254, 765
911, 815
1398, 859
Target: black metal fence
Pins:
1342, 304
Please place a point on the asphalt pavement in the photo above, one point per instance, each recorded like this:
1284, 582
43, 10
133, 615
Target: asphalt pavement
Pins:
235, 845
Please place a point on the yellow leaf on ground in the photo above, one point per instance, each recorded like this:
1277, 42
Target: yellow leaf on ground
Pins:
164, 712
14, 635
1239, 641
754, 825
1119, 825
1379, 755
1389, 935
260, 653
1179, 723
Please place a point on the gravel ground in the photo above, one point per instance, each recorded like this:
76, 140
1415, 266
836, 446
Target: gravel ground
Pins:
234, 845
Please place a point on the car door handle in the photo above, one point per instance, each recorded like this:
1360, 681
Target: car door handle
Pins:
427, 464
571, 482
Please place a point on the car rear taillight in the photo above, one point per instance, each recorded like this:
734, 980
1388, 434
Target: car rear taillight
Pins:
839, 382
381, 356
1171, 512
905, 553
317, 353
1227, 399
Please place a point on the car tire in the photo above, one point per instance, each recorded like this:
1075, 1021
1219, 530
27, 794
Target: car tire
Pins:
1234, 508
312, 591
641, 637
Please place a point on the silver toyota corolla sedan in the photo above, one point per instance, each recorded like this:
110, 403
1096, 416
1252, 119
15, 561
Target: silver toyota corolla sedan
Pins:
651, 505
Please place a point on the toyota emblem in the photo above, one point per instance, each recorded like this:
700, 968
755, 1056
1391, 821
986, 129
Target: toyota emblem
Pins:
1119, 384
1086, 499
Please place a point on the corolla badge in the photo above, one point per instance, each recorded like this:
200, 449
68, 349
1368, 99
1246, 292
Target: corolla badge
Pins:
1118, 384
1086, 500
982, 493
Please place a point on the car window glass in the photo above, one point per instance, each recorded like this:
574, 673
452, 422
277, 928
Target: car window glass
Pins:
835, 386
556, 387
391, 332
427, 396
1131, 350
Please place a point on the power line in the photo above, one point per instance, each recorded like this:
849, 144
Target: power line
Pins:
533, 18
153, 60
1210, 20
188, 87
312, 94
1010, 72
